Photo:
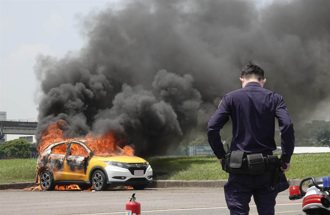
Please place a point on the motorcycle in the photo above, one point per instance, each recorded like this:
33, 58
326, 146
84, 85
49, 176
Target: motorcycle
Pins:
316, 200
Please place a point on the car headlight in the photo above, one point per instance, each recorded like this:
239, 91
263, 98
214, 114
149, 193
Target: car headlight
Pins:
127, 165
147, 164
118, 164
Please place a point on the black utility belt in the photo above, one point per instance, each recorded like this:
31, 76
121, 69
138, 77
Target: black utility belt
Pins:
238, 162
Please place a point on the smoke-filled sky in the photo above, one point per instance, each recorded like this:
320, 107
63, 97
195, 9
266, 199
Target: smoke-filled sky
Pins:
157, 69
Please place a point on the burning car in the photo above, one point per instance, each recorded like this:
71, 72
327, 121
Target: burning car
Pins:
73, 162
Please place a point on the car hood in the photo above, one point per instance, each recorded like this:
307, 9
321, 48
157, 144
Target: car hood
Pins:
122, 159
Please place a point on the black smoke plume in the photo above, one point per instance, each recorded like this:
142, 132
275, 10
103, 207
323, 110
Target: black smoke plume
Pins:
155, 70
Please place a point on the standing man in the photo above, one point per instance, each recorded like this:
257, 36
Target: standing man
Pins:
253, 110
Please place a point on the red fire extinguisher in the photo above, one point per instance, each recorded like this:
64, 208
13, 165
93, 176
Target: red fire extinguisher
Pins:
133, 207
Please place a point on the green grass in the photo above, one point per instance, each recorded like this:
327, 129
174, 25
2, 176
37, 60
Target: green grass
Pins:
179, 168
208, 168
305, 165
187, 168
17, 170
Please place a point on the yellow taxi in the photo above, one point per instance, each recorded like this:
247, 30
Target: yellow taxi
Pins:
73, 162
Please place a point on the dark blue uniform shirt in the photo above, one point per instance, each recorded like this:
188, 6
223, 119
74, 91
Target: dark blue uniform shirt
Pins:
252, 110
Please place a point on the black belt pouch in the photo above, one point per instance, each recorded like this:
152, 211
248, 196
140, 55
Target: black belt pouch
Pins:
256, 164
236, 163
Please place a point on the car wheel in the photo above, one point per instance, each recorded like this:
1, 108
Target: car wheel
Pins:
47, 180
139, 187
99, 180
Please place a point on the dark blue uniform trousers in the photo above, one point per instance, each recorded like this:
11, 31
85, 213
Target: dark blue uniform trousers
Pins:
240, 188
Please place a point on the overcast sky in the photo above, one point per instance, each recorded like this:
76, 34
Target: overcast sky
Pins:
32, 27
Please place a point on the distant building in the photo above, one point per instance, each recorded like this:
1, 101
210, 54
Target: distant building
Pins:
27, 138
3, 117
15, 129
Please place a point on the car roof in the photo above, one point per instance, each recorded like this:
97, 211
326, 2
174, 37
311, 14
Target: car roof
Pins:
81, 141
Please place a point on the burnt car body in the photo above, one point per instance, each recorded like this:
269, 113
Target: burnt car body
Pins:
72, 162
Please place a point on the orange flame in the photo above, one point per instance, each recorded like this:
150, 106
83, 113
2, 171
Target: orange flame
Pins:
36, 188
128, 151
61, 149
52, 134
58, 187
71, 187
107, 145
78, 150
101, 145
67, 187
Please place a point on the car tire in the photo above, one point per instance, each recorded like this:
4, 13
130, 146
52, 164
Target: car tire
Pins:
47, 180
99, 181
139, 187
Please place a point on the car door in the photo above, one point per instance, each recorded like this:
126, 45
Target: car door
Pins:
76, 162
56, 160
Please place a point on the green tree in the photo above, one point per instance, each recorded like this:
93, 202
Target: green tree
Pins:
18, 148
316, 132
324, 137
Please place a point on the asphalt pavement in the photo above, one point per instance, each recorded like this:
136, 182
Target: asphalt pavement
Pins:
158, 201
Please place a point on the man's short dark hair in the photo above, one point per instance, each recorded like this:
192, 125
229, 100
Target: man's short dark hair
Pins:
252, 69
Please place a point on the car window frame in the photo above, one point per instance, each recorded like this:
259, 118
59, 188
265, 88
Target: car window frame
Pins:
57, 145
68, 149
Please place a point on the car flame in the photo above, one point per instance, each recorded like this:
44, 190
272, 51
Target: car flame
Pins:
71, 187
100, 145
